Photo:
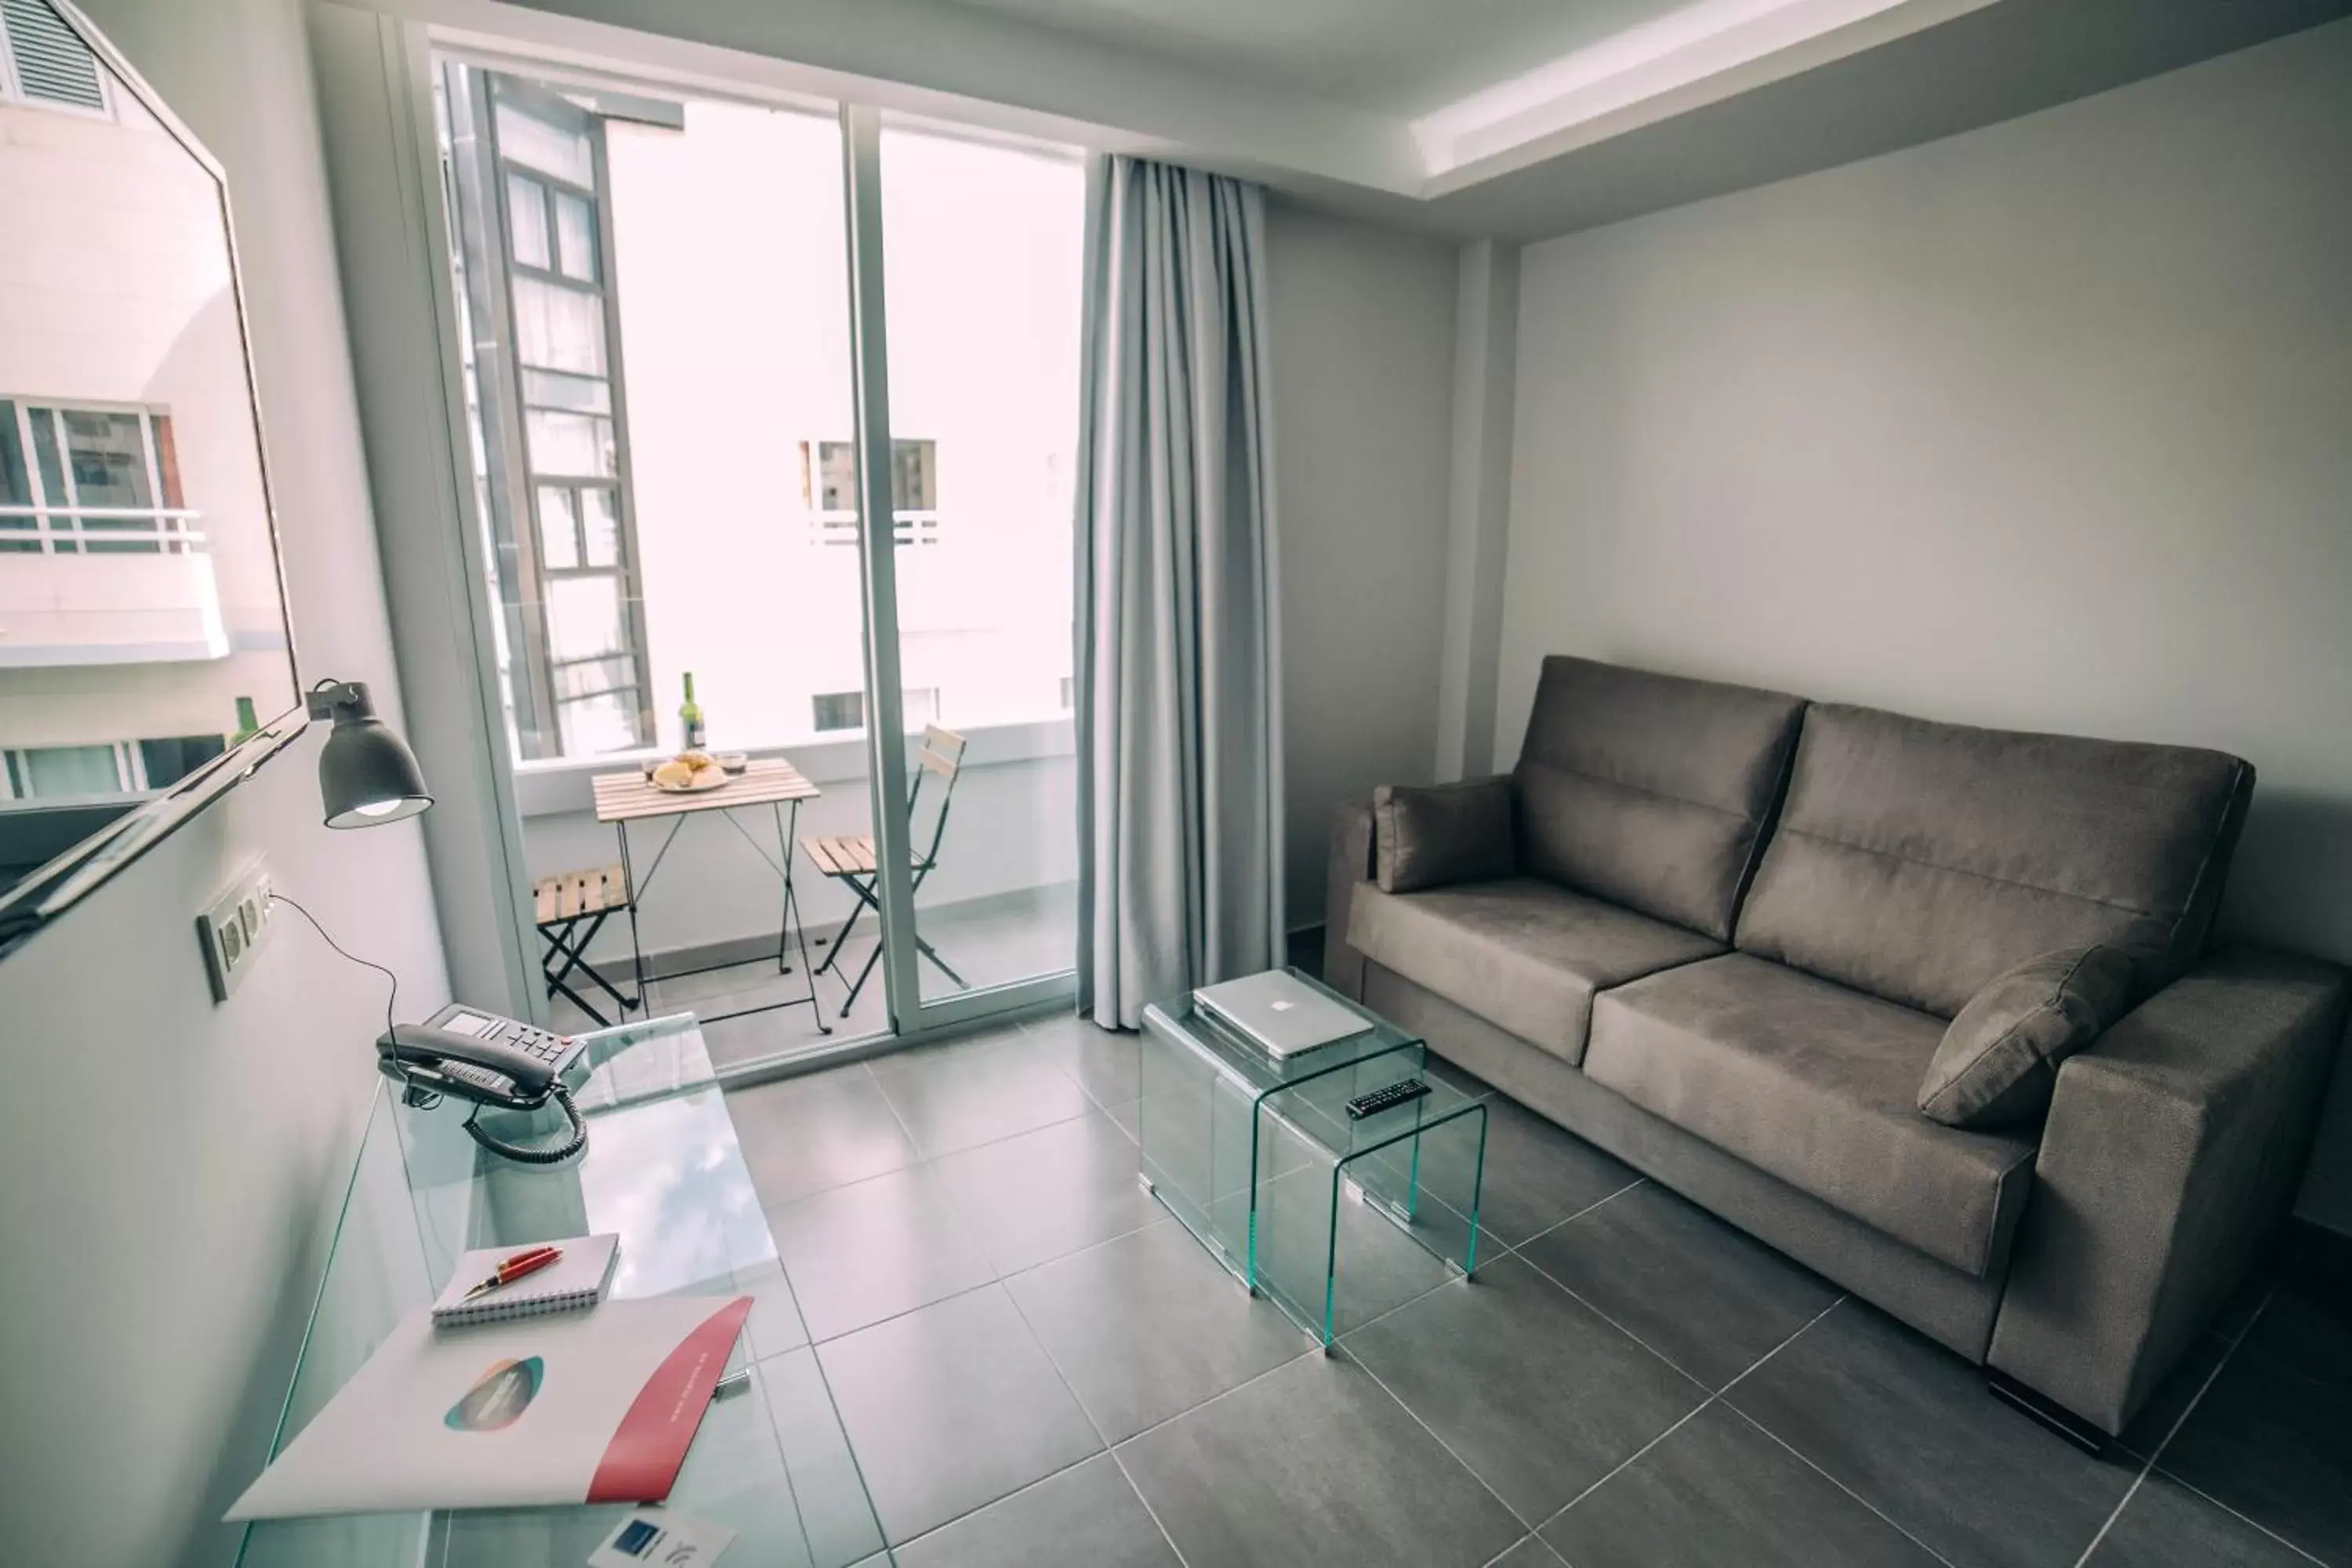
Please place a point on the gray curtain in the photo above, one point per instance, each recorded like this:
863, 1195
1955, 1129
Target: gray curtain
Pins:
1179, 679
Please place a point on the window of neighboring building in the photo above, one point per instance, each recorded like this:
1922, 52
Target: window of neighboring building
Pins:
846, 709
122, 767
829, 487
44, 61
90, 481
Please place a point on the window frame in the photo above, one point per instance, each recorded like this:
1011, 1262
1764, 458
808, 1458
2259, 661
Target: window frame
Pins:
516, 522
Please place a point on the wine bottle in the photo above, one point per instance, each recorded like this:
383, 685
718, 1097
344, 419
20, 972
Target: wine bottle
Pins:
689, 717
247, 721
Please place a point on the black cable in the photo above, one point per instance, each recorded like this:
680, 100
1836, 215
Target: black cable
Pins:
389, 1002
554, 1156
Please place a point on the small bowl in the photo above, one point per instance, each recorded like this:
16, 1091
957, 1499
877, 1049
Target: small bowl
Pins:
733, 761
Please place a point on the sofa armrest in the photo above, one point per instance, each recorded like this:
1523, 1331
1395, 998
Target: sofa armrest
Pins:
1349, 867
1427, 836
2170, 1155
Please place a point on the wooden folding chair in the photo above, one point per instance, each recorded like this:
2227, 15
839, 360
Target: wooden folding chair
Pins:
849, 858
561, 905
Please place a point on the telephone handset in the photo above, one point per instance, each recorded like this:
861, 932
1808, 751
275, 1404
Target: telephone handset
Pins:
486, 1061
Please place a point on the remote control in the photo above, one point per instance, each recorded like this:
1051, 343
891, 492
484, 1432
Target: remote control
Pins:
1382, 1100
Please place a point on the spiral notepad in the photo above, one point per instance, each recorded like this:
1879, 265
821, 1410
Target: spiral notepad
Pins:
577, 1279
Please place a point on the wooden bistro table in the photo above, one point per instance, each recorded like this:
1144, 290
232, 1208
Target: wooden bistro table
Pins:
772, 782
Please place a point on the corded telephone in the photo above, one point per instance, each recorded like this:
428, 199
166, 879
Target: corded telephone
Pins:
487, 1061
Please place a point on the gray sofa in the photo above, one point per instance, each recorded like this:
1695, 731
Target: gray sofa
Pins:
1720, 932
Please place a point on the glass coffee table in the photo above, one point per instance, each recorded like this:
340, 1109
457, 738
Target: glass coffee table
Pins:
663, 1168
1261, 1162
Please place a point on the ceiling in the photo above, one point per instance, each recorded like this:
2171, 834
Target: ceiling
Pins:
1471, 118
1400, 57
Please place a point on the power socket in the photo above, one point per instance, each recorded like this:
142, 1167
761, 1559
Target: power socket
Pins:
234, 927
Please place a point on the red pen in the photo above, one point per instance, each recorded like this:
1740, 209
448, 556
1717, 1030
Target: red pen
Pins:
528, 1261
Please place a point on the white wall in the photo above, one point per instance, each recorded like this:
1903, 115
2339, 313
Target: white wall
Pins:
1363, 377
2041, 425
181, 1158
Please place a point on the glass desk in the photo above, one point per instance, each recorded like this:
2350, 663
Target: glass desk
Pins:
1260, 1160
663, 1168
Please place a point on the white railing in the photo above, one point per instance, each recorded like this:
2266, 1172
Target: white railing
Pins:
100, 530
841, 528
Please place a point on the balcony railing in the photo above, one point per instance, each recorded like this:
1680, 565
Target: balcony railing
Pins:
88, 585
100, 530
841, 528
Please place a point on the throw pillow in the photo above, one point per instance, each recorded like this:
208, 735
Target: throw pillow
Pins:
1998, 1064
1427, 836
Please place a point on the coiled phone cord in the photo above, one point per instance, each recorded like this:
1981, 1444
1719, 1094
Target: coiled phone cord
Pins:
555, 1157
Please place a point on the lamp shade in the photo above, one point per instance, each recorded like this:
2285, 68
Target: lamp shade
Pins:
367, 775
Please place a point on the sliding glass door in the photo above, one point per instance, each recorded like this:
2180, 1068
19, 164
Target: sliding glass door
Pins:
982, 244
669, 309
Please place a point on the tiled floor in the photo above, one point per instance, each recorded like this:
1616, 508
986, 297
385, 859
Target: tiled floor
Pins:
989, 943
1034, 1365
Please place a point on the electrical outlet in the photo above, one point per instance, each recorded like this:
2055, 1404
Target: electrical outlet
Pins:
233, 928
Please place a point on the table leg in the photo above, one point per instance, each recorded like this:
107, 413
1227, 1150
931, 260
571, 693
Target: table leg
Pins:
793, 922
629, 885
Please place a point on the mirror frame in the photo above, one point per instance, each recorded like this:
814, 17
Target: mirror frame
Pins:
47, 892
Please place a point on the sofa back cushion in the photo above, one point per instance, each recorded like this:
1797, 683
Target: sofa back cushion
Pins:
1917, 861
1651, 791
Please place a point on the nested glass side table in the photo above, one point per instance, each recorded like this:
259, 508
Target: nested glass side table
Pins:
1260, 1160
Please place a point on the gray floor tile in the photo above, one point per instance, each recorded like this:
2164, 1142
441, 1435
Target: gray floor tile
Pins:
2166, 1525
1149, 1326
1379, 1268
836, 1521
1312, 1464
1537, 1174
1699, 1292
803, 1135
1529, 1553
2183, 1384
950, 1407
1908, 1427
1037, 1195
1718, 1489
1106, 1063
1088, 1514
973, 1092
2271, 1439
859, 1254
1528, 1386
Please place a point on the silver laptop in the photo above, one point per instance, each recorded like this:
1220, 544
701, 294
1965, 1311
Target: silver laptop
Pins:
1280, 1013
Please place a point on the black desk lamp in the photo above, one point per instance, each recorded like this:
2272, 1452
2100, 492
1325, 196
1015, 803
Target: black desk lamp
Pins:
367, 775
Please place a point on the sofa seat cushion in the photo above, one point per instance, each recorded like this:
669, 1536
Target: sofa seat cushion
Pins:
1818, 1086
1523, 954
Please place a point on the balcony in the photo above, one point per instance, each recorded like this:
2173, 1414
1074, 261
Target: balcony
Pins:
1001, 906
106, 586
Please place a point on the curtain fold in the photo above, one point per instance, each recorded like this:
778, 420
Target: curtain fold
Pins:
1179, 679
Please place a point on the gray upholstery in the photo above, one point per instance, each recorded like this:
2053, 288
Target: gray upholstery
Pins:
1350, 862
1650, 790
1524, 953
2000, 1059
1428, 835
1815, 1084
1916, 860
2171, 1151
1953, 1308
1898, 868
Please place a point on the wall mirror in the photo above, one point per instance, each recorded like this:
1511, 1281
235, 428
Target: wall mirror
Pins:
146, 664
